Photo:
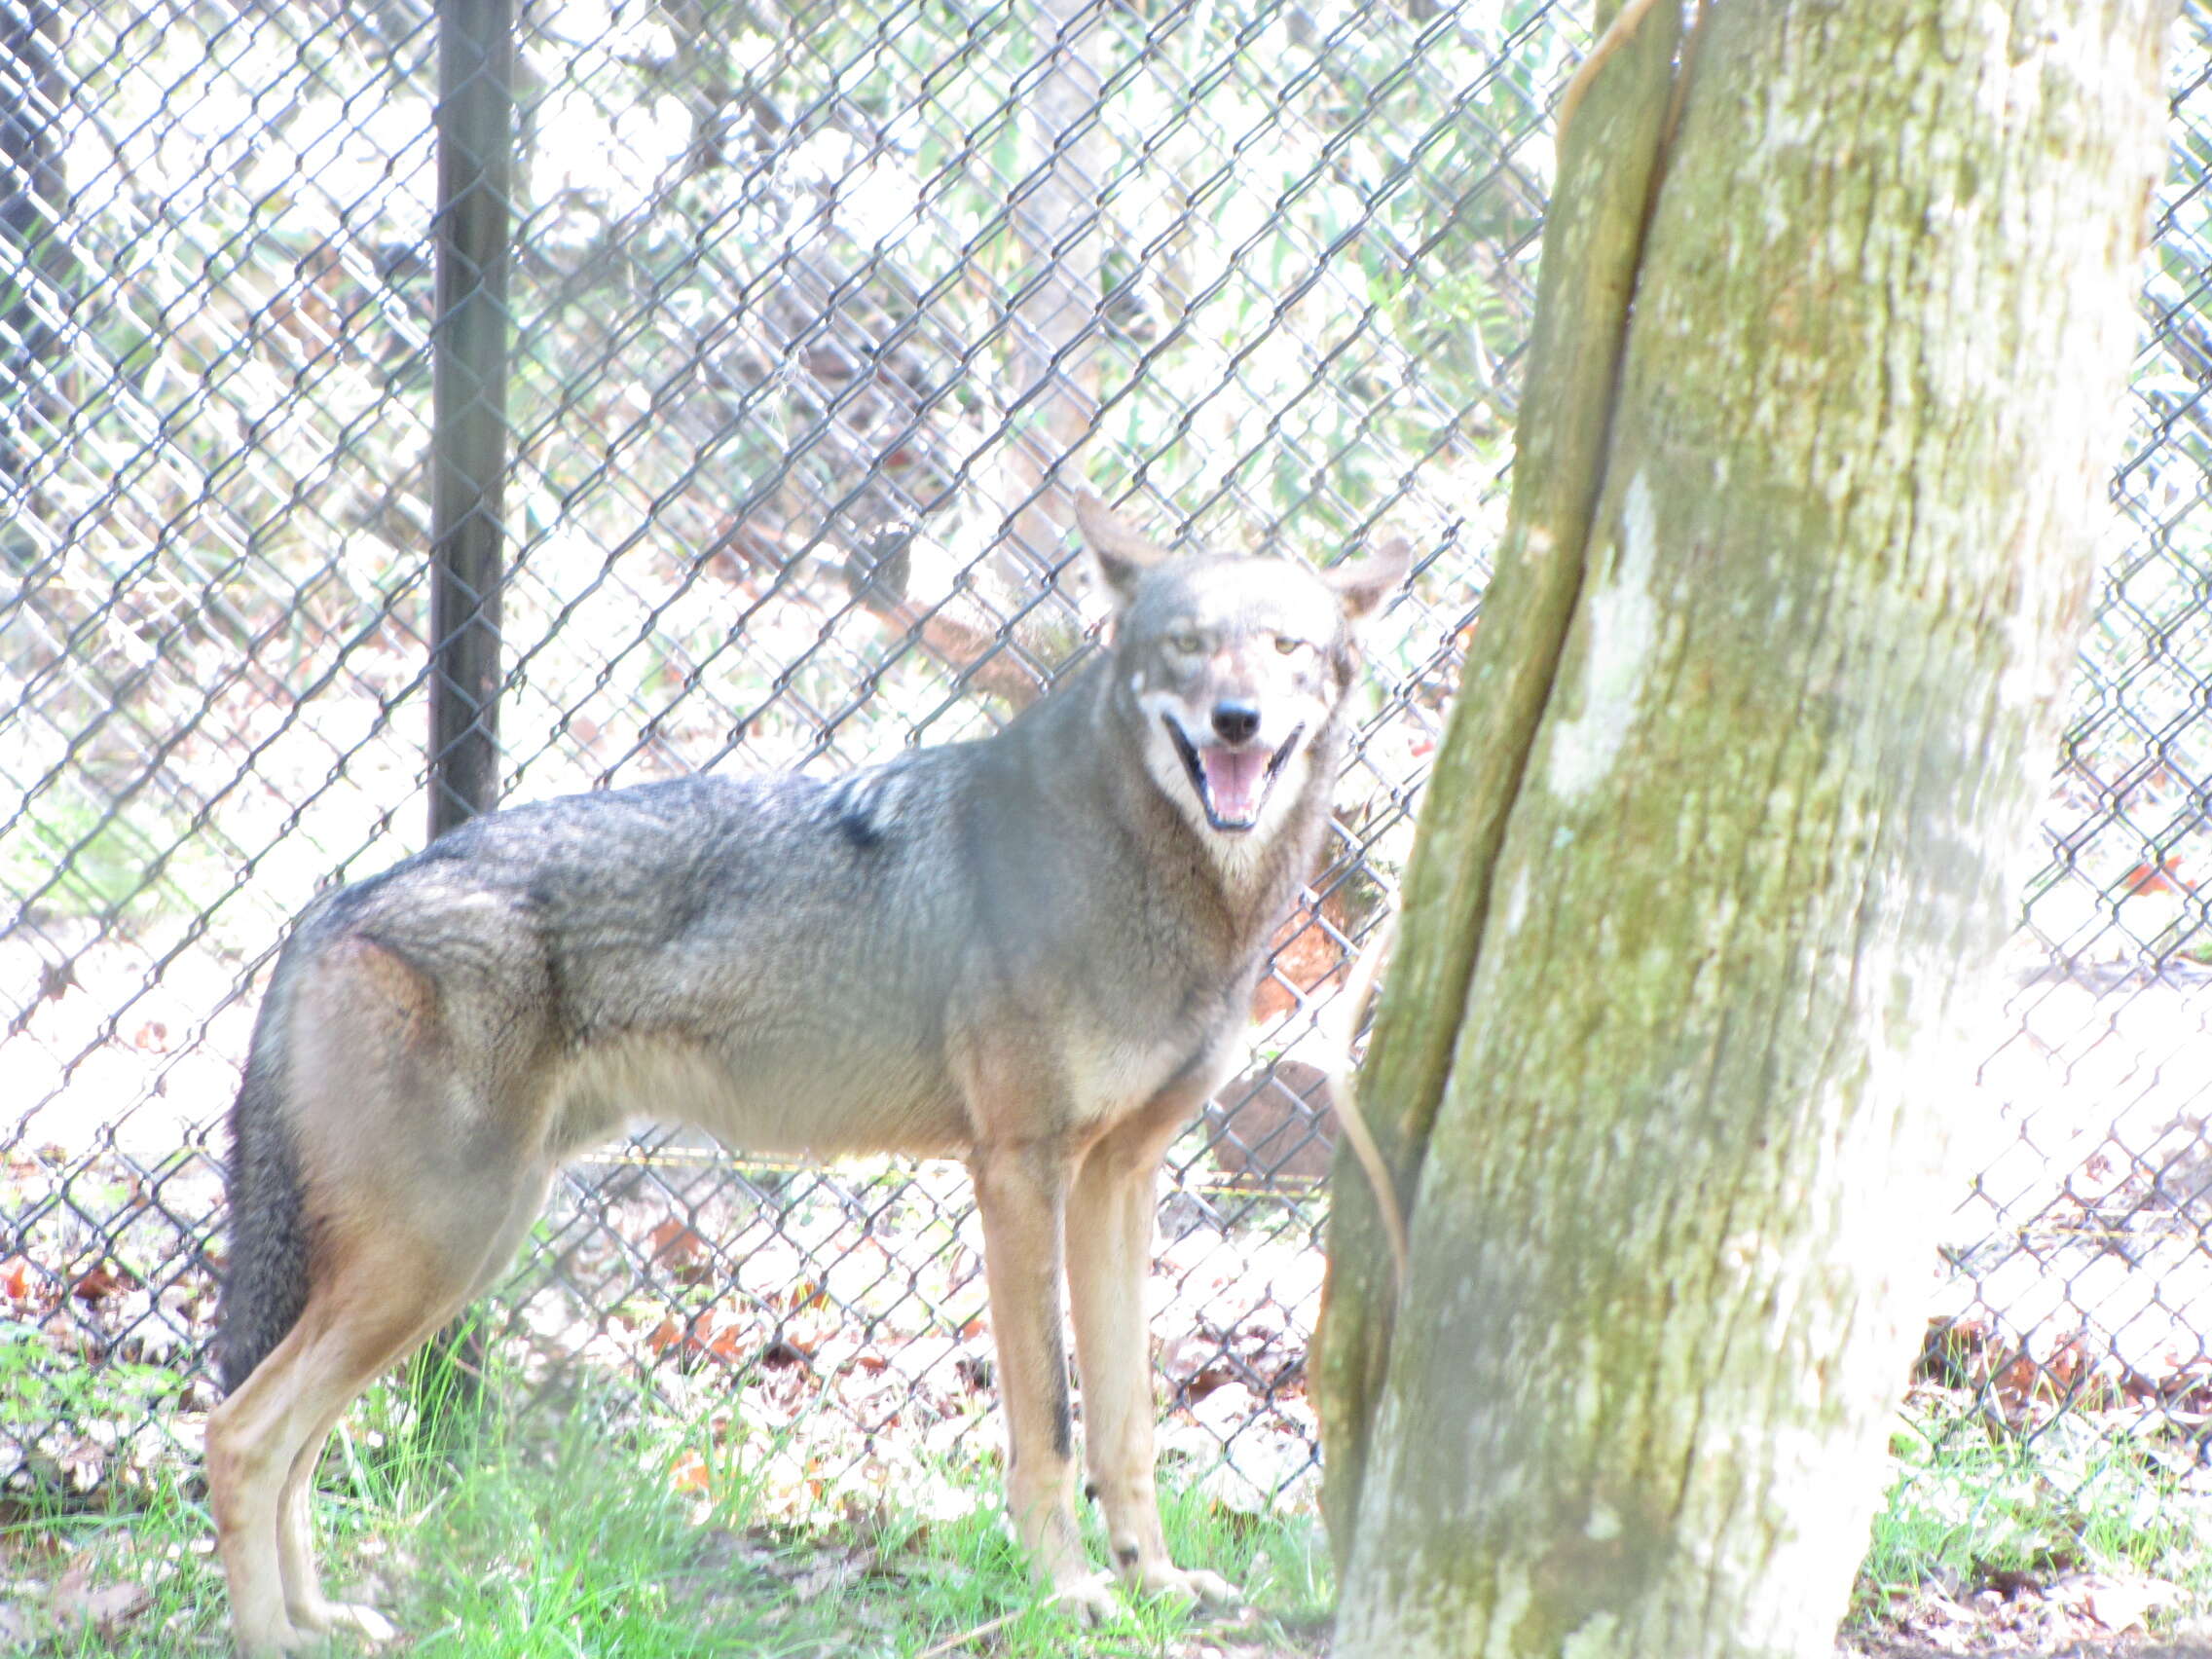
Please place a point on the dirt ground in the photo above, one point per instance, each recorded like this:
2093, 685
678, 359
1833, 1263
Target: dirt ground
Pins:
2058, 1619
2106, 1647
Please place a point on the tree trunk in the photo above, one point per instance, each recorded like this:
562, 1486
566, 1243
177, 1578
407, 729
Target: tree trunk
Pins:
1663, 1067
37, 271
1608, 165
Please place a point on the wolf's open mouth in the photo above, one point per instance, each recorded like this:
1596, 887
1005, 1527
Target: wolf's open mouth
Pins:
1232, 783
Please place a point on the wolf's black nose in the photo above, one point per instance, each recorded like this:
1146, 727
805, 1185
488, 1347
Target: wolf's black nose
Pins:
1236, 723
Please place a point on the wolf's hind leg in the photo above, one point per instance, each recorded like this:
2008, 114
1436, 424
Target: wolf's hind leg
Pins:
263, 1439
373, 1303
411, 1106
304, 1600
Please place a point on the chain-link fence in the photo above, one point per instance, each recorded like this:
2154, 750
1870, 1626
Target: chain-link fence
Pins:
2078, 1298
814, 316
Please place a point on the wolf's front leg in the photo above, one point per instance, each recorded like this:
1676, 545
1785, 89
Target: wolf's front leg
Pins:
1022, 1195
1110, 1223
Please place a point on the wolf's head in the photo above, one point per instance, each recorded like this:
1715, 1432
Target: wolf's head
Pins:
1233, 669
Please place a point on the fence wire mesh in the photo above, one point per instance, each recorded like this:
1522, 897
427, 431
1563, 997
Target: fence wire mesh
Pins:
815, 313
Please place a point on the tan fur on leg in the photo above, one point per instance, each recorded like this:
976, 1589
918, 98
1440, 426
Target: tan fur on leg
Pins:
1020, 1197
250, 1448
372, 1305
1111, 1209
264, 1442
310, 1609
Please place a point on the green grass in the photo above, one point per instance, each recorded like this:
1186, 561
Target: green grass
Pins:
612, 1532
1971, 1502
614, 1528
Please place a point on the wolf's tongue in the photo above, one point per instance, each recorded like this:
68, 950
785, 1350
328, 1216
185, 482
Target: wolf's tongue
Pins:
1232, 779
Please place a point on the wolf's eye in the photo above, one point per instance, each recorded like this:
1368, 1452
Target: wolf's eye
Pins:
1289, 646
1186, 645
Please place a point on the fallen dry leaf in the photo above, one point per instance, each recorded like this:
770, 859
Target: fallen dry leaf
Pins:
689, 1473
2117, 1603
675, 1244
77, 1603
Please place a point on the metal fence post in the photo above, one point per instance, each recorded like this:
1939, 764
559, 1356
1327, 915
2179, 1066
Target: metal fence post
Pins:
468, 461
476, 119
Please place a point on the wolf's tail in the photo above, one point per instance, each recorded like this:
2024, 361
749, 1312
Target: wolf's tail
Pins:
267, 1283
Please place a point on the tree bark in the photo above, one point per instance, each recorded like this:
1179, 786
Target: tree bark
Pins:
37, 271
1663, 1088
1609, 157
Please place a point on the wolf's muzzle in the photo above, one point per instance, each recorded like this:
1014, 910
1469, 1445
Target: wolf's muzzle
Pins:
1232, 783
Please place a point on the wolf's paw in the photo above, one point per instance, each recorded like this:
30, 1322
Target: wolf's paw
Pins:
1193, 1585
365, 1622
276, 1638
1091, 1596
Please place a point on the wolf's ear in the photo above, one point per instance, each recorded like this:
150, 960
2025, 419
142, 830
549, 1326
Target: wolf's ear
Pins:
1123, 554
1364, 587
